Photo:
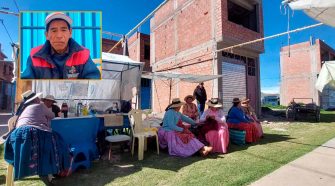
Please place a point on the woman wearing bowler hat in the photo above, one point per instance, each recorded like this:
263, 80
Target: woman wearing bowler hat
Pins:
33, 148
250, 113
175, 136
190, 109
215, 129
236, 119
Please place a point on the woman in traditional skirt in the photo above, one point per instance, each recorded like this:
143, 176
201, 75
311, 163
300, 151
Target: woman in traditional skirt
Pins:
236, 119
250, 113
215, 129
176, 136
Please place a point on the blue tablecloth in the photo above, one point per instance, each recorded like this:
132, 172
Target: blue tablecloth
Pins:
88, 129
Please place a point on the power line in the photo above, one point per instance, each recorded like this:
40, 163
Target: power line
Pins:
7, 12
269, 37
138, 25
1, 20
17, 7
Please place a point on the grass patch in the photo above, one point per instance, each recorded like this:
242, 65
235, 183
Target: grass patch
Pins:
327, 116
241, 166
274, 106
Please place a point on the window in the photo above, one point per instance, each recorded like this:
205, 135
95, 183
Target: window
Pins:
10, 70
243, 13
147, 51
251, 67
4, 69
145, 82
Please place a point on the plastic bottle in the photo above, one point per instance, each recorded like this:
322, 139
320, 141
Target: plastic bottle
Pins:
64, 109
79, 108
85, 110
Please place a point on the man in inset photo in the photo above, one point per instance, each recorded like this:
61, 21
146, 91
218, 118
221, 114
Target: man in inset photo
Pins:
61, 57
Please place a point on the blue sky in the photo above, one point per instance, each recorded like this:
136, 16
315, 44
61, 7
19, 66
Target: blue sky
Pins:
120, 16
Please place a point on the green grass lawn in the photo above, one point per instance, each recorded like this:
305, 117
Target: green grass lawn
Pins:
283, 142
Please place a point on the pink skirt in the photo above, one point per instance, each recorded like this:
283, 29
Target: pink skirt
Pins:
218, 139
170, 140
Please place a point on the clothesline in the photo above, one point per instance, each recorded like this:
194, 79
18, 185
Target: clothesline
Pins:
269, 37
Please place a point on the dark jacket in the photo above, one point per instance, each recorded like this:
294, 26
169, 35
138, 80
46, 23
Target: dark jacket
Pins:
77, 64
200, 94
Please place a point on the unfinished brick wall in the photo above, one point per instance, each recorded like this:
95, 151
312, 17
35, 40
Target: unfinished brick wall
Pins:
300, 64
237, 33
136, 44
182, 41
135, 48
107, 44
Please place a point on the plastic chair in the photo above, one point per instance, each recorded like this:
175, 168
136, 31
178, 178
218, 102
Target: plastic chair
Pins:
113, 120
139, 131
10, 177
10, 168
80, 136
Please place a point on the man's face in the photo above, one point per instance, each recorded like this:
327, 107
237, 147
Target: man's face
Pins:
59, 34
47, 103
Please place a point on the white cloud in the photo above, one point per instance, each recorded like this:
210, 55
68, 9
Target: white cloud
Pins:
270, 90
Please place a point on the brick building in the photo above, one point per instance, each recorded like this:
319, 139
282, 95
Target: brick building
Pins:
138, 50
185, 35
300, 65
6, 87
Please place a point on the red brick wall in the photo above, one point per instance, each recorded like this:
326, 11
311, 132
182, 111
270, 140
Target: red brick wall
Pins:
181, 42
6, 71
108, 44
296, 72
184, 88
235, 32
136, 45
135, 48
299, 70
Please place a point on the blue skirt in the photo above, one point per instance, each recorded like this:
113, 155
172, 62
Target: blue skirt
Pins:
36, 152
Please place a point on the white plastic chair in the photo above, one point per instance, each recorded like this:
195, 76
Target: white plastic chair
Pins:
113, 120
140, 132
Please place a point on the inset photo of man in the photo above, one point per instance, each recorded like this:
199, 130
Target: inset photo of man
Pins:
60, 45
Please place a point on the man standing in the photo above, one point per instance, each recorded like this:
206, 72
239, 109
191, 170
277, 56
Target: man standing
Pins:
201, 97
60, 57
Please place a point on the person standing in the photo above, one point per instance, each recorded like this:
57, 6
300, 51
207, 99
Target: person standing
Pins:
201, 97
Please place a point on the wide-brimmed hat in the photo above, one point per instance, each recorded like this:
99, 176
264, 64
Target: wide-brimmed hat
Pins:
189, 96
214, 102
245, 100
30, 95
176, 103
58, 15
236, 100
50, 97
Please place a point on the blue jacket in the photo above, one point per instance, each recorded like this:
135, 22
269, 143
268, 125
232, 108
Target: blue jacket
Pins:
236, 116
77, 63
171, 119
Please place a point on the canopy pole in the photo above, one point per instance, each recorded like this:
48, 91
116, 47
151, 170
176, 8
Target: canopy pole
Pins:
170, 90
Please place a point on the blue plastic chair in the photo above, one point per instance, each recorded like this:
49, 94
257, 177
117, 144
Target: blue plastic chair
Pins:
80, 135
